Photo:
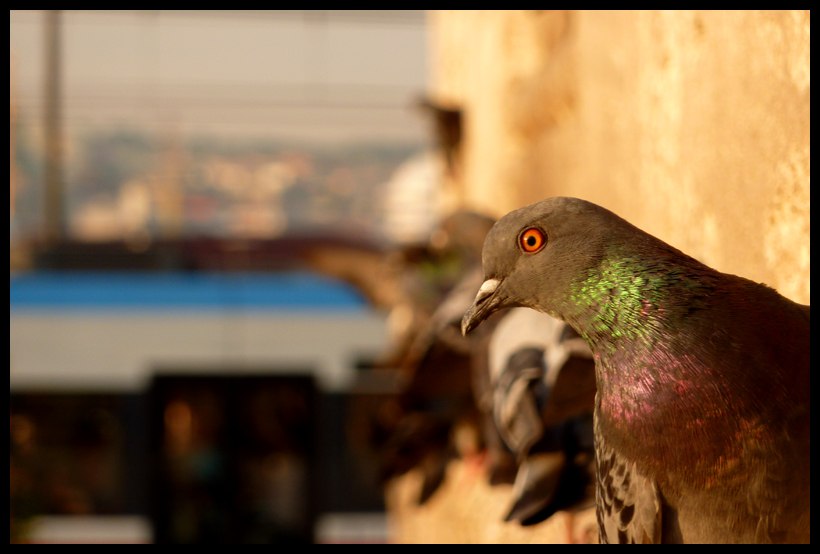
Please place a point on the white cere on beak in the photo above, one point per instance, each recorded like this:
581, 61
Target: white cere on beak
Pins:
487, 288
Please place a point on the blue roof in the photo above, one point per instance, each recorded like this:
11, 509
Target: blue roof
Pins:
181, 291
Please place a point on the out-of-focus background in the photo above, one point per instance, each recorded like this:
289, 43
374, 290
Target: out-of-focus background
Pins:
239, 241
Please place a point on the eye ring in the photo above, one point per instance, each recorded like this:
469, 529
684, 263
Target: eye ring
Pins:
532, 240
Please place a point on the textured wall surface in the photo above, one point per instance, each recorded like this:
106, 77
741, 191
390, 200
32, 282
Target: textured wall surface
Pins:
694, 126
465, 509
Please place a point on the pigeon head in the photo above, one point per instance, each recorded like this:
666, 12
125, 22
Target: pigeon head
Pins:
540, 257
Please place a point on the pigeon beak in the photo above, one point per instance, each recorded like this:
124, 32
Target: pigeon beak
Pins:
483, 305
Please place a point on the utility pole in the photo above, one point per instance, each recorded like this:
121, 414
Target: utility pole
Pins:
53, 201
12, 132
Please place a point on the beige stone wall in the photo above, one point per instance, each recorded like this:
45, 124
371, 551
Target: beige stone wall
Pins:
695, 126
466, 509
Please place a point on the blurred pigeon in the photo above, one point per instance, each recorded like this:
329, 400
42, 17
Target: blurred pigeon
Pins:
702, 415
448, 120
438, 419
438, 398
544, 389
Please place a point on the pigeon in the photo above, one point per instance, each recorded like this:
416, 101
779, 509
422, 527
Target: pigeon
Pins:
702, 412
436, 419
543, 381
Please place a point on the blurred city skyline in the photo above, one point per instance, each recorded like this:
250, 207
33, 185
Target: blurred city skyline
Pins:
232, 124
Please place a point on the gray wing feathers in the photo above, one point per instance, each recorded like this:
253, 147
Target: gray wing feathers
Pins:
629, 504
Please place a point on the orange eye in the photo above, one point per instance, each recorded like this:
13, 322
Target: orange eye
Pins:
532, 240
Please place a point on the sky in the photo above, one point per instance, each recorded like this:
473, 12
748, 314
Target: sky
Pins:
325, 76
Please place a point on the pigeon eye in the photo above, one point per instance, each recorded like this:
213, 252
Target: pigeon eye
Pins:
532, 240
